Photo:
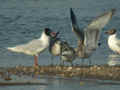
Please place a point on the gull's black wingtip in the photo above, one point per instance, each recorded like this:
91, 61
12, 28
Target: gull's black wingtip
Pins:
72, 16
71, 11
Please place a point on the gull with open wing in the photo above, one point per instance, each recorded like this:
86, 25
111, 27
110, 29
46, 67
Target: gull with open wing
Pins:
89, 37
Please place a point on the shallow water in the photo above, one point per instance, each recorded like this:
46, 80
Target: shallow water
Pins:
56, 83
64, 84
24, 20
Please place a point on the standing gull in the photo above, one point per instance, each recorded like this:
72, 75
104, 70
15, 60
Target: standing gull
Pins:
36, 46
113, 41
89, 37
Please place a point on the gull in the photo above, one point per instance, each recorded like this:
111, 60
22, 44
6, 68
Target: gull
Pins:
88, 37
55, 47
113, 41
35, 46
62, 49
67, 53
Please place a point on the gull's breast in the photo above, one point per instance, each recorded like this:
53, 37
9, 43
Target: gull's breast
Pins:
113, 44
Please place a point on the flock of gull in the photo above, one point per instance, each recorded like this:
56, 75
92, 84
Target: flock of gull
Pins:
88, 41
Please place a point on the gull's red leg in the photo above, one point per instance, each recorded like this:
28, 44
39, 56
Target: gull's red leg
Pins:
35, 60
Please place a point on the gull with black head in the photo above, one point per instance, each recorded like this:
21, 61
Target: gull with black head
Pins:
113, 40
36, 46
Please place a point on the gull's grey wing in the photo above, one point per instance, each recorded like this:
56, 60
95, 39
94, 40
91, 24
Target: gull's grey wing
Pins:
75, 27
92, 31
36, 45
32, 47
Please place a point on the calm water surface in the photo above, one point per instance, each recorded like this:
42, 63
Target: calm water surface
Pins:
24, 20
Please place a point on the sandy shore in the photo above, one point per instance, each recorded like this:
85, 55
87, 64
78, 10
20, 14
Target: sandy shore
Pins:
102, 72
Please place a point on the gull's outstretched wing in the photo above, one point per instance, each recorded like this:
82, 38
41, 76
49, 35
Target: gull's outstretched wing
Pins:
92, 31
75, 27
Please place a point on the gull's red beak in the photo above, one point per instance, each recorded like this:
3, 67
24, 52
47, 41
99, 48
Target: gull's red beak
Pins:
54, 34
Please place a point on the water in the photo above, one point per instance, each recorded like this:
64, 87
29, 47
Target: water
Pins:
24, 20
114, 60
62, 84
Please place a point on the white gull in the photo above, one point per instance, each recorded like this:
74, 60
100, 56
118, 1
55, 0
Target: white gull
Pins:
35, 46
113, 41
